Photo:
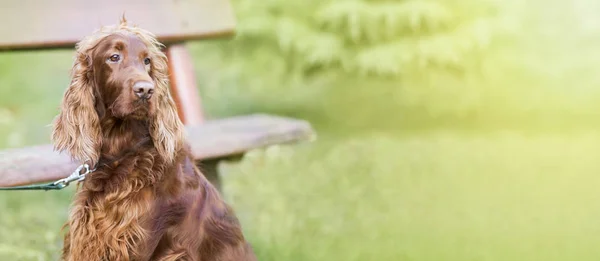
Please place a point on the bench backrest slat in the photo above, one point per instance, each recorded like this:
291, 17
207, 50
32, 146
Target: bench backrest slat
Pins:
29, 24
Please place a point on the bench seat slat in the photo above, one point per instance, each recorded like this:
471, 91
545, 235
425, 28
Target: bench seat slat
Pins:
32, 24
212, 140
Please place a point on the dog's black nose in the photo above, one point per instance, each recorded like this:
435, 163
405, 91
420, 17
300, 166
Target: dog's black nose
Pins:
143, 89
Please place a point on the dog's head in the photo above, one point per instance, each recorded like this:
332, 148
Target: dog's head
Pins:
120, 72
121, 67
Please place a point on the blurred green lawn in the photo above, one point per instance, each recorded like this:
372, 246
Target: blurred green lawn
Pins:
373, 186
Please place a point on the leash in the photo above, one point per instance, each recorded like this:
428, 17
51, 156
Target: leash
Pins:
77, 175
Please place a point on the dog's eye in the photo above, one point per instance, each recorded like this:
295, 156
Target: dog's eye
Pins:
147, 61
114, 58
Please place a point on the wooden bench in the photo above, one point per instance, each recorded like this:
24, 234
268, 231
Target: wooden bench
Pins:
62, 23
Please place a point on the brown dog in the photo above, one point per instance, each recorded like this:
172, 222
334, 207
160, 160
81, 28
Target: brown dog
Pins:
146, 200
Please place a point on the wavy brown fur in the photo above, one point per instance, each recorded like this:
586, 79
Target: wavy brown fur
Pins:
146, 200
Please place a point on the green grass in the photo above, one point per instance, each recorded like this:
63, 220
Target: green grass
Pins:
380, 182
440, 196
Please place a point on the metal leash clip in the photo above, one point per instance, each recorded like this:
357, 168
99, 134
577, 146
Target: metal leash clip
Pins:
77, 175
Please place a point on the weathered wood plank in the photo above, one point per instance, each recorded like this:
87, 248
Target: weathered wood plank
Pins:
33, 24
183, 85
212, 140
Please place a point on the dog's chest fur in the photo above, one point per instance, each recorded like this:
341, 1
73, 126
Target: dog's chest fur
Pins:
118, 210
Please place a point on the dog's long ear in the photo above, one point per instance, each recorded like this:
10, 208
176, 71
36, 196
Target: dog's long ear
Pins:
166, 128
76, 129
